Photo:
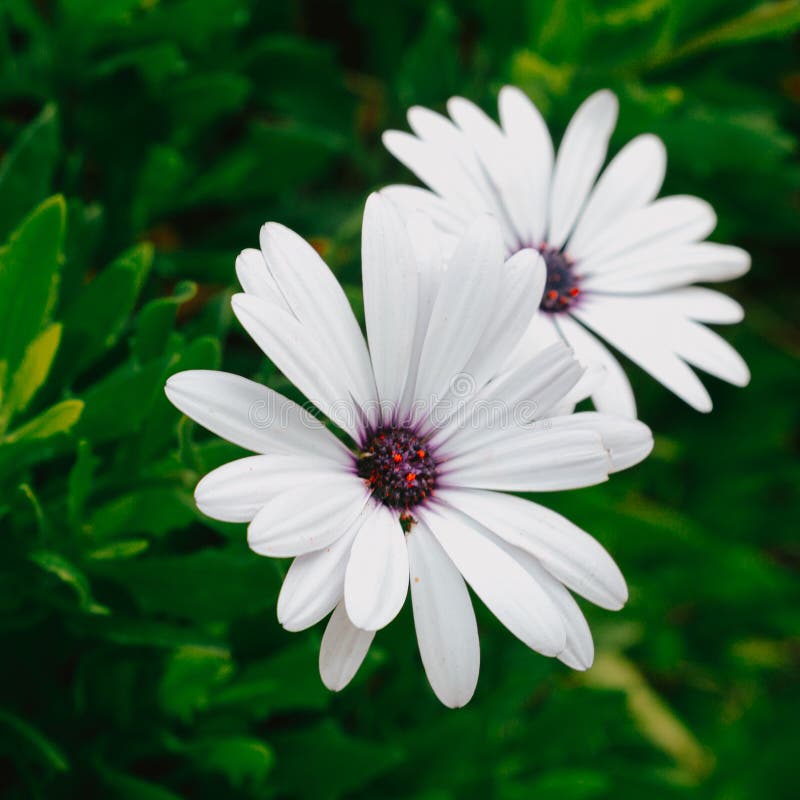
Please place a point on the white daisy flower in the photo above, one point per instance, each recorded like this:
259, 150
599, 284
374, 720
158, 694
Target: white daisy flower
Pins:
436, 434
619, 262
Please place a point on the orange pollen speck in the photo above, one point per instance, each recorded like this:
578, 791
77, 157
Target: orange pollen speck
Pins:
411, 477
397, 458
421, 453
574, 291
552, 294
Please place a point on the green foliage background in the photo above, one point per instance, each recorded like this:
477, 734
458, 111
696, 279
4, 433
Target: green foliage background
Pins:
144, 142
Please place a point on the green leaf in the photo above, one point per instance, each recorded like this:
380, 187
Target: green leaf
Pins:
59, 418
118, 404
242, 759
154, 511
79, 484
191, 675
126, 787
212, 585
156, 320
27, 170
94, 322
31, 374
34, 742
70, 575
765, 21
29, 266
126, 549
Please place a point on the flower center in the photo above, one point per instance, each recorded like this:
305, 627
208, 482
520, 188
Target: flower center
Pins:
562, 287
397, 466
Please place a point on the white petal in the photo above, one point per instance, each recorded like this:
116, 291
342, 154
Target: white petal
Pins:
255, 278
614, 394
427, 246
524, 276
504, 586
318, 301
579, 650
508, 187
533, 151
342, 650
236, 491
522, 395
707, 350
580, 157
531, 459
448, 218
447, 632
705, 305
627, 441
304, 360
251, 415
376, 581
632, 179
634, 328
664, 223
656, 267
567, 552
540, 334
314, 583
439, 167
307, 517
390, 297
461, 312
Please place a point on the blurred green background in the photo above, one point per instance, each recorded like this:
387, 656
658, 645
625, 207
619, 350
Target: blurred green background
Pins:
143, 144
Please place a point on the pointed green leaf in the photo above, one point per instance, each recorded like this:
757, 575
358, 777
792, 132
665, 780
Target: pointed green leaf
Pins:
79, 484
29, 266
156, 321
31, 374
94, 322
27, 170
57, 419
68, 573
34, 741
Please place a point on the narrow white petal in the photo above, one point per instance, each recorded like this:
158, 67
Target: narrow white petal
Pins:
307, 517
255, 277
632, 179
579, 650
568, 553
314, 583
627, 441
707, 350
236, 491
376, 581
665, 223
317, 300
533, 151
342, 650
300, 355
251, 415
635, 329
447, 632
524, 276
614, 394
507, 183
461, 312
448, 218
439, 167
580, 157
531, 459
656, 267
502, 584
523, 394
705, 305
390, 296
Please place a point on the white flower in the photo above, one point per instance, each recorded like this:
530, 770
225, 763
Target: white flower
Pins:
619, 261
437, 433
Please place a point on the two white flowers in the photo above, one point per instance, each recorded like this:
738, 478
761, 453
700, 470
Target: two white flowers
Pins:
475, 297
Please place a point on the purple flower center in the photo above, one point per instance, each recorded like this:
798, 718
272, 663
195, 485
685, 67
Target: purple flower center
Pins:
562, 288
397, 466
